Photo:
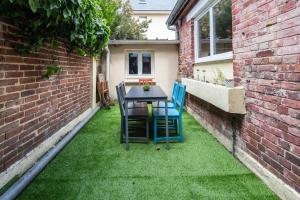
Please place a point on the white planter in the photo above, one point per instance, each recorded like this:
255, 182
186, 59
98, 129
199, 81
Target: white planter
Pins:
231, 100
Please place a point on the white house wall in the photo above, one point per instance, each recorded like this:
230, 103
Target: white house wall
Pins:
165, 63
158, 28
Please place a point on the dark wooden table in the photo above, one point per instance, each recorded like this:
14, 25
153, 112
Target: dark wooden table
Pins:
137, 93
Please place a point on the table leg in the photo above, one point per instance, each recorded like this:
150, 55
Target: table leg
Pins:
126, 124
167, 123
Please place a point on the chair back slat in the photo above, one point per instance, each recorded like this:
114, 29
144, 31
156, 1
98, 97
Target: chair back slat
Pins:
123, 88
181, 97
175, 92
121, 98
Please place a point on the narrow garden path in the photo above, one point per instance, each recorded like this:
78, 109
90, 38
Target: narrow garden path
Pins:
95, 166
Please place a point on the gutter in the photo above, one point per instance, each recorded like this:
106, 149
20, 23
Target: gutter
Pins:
107, 63
26, 179
175, 12
171, 28
136, 42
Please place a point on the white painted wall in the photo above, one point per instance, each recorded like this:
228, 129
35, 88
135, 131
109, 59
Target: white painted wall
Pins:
157, 27
211, 69
165, 61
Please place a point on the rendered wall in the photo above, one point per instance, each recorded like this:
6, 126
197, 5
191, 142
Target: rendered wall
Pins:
157, 28
165, 63
209, 70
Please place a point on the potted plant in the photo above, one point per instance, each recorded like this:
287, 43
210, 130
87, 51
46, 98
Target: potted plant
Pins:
146, 87
229, 83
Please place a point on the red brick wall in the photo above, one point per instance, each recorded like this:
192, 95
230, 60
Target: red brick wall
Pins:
267, 63
32, 109
266, 42
213, 118
186, 48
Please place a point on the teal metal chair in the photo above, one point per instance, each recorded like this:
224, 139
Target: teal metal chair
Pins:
174, 115
171, 104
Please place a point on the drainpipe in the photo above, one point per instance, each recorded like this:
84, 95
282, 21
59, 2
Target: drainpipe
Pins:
25, 180
234, 134
173, 28
107, 63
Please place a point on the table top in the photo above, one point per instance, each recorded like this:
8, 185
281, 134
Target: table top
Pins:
138, 93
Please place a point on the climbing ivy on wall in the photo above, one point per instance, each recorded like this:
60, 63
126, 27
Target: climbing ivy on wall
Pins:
78, 23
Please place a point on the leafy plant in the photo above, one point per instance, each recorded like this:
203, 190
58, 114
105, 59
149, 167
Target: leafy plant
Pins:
80, 24
119, 18
52, 70
146, 87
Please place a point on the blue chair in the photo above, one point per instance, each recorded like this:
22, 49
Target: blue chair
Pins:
171, 104
174, 115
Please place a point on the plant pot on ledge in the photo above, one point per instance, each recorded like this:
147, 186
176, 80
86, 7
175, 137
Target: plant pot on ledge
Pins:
146, 88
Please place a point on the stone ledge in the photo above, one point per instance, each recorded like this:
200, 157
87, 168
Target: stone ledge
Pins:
231, 100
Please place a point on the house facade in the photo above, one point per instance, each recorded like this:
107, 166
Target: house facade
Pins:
158, 12
130, 61
154, 58
257, 44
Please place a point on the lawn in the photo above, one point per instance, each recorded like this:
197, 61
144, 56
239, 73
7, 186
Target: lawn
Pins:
95, 166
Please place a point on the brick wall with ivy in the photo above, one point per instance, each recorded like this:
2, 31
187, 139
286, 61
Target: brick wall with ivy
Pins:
33, 109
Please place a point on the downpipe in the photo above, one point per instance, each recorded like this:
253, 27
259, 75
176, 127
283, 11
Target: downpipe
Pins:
26, 179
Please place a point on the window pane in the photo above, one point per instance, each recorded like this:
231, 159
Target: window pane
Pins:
146, 63
223, 20
204, 42
133, 63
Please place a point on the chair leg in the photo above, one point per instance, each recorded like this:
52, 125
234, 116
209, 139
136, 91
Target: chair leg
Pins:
176, 126
180, 129
147, 129
122, 131
155, 131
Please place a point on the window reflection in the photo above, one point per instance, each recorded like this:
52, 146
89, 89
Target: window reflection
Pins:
146, 57
223, 26
204, 41
217, 23
133, 63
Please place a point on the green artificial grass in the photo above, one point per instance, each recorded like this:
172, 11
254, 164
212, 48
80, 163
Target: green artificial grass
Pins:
94, 165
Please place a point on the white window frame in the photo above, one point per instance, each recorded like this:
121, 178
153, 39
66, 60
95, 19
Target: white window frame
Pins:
204, 9
140, 64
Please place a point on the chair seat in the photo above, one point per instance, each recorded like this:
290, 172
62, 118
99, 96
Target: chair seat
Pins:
160, 112
137, 105
138, 112
162, 104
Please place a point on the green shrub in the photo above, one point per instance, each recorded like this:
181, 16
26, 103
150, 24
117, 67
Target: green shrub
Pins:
78, 23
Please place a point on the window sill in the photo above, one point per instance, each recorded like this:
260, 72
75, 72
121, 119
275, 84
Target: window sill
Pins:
134, 80
139, 76
214, 58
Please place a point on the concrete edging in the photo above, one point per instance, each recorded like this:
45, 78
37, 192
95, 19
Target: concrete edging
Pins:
279, 187
34, 155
